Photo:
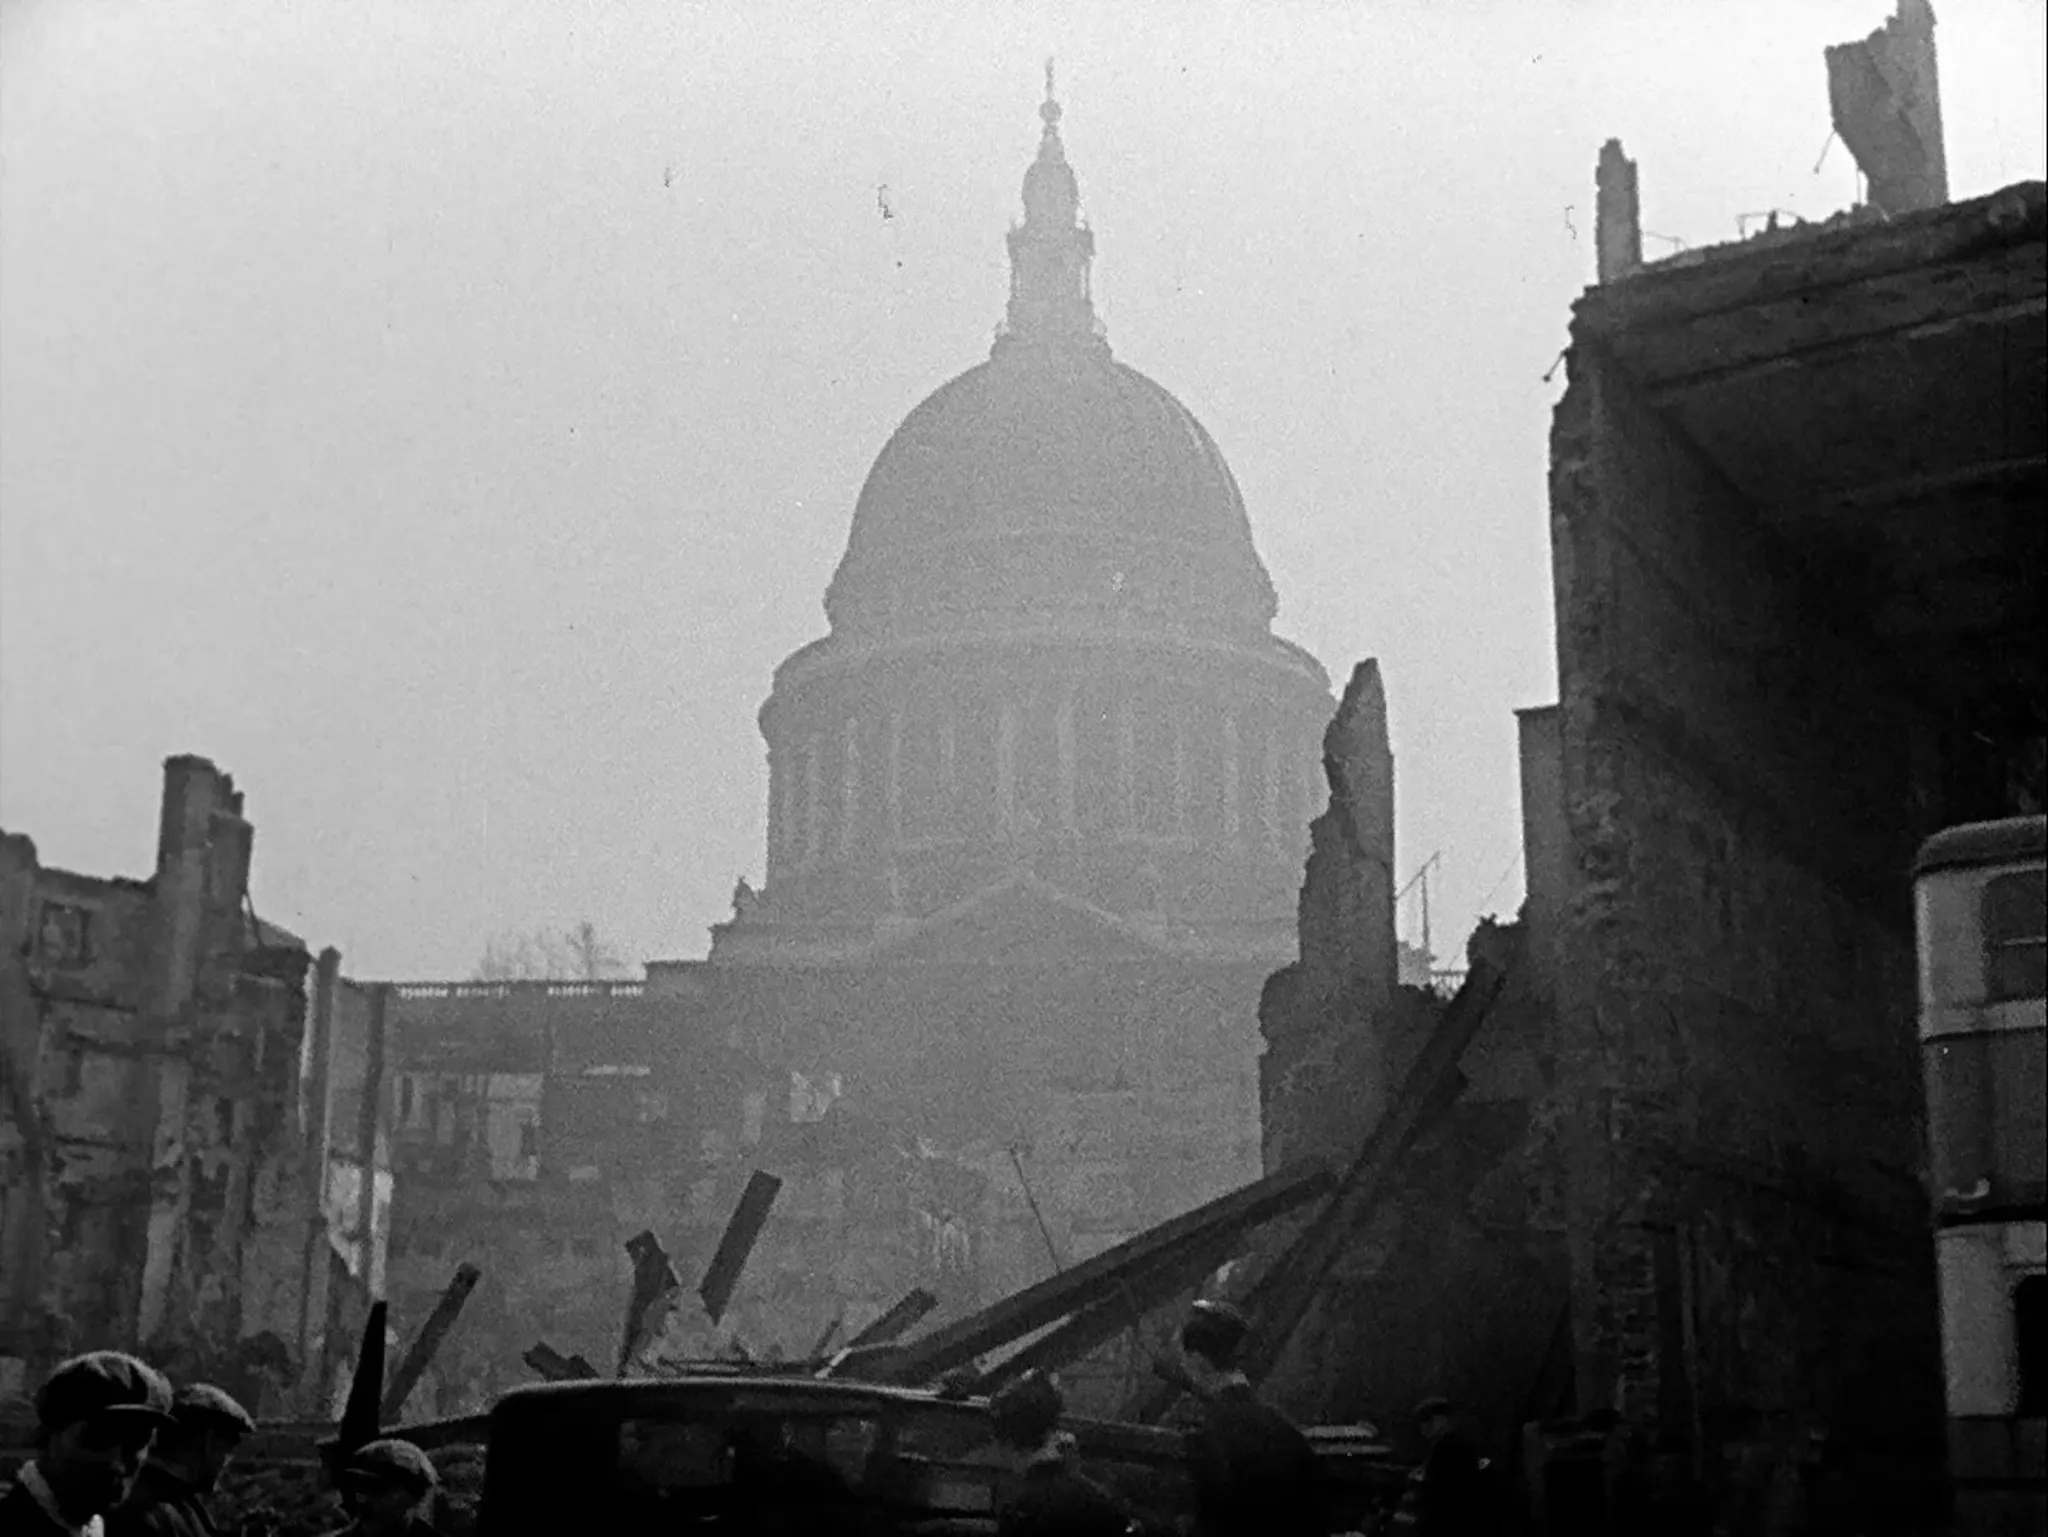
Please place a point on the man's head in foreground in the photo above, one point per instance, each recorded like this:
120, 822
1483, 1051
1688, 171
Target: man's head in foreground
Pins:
385, 1483
1026, 1412
1434, 1419
95, 1419
1209, 1344
207, 1428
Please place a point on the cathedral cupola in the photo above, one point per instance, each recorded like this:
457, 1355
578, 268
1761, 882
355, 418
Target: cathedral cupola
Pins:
1050, 650
1051, 250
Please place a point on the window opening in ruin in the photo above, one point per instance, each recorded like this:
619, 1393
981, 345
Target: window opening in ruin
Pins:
2015, 912
64, 935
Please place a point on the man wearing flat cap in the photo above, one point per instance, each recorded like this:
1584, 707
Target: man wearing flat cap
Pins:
184, 1467
1448, 1493
95, 1419
1254, 1472
1053, 1497
385, 1487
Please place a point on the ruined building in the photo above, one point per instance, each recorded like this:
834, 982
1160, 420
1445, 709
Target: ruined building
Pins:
156, 1188
1038, 807
1796, 528
1795, 494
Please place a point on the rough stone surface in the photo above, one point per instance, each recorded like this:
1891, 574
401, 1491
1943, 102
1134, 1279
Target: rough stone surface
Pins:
1325, 1017
151, 1138
1744, 780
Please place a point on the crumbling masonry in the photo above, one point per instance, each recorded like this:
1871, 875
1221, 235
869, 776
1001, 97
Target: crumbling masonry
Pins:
152, 1188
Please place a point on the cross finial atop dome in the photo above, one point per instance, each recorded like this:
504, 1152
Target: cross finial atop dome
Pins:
1050, 251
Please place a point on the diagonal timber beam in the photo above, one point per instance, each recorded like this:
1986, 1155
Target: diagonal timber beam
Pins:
1003, 1322
1282, 1297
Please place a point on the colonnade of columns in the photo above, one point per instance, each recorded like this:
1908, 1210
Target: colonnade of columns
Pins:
1082, 764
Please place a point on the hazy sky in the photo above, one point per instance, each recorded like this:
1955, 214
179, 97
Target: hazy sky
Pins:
445, 416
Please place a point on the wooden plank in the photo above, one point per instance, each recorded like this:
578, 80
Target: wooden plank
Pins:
904, 1313
1102, 1321
359, 1419
1027, 1311
416, 1360
553, 1366
1281, 1298
738, 1242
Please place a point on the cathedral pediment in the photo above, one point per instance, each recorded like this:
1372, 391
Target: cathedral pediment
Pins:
1023, 917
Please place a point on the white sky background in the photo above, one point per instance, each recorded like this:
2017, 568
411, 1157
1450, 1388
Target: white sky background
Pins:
445, 416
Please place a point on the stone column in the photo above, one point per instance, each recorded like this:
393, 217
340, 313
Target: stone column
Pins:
193, 790
895, 796
778, 813
1065, 732
1181, 786
1127, 768
1233, 786
1274, 835
317, 1129
849, 786
814, 802
1006, 768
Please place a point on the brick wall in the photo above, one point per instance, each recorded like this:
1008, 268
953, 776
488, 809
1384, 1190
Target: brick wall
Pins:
1743, 793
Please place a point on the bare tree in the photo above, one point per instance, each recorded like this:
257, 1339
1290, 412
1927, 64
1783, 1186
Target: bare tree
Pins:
593, 958
579, 954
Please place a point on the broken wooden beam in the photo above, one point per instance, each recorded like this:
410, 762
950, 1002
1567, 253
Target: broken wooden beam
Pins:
1100, 1322
1283, 1294
556, 1367
826, 1336
901, 1314
957, 1344
741, 1233
421, 1354
360, 1417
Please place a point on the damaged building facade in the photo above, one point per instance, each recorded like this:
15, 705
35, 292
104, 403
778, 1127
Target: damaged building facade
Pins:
155, 1166
1795, 494
537, 1126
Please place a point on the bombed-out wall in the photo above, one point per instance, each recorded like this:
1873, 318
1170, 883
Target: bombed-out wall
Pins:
1734, 1034
1455, 1283
152, 1132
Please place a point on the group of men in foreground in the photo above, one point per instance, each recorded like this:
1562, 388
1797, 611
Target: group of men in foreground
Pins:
1253, 1471
119, 1453
1255, 1474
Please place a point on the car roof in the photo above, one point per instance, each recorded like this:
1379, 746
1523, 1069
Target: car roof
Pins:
654, 1391
651, 1395
2011, 841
